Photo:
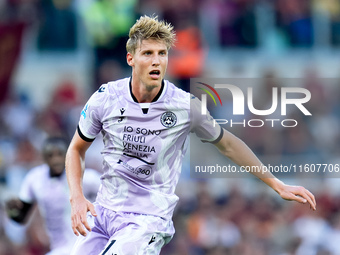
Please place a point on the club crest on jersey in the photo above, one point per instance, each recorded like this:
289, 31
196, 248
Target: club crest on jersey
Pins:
168, 119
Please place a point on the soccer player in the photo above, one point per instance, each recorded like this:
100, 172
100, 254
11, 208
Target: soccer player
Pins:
145, 121
46, 186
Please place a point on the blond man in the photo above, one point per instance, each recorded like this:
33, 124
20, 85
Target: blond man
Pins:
145, 121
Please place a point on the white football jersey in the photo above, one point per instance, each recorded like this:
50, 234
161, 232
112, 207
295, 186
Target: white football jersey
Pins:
144, 144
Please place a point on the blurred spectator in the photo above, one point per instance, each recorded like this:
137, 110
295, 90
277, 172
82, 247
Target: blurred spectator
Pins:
17, 107
237, 23
10, 47
108, 23
312, 231
187, 57
294, 18
332, 239
324, 125
330, 10
15, 17
58, 28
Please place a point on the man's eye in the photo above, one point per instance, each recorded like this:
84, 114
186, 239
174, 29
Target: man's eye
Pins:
147, 53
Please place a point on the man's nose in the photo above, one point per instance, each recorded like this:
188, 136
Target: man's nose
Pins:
155, 60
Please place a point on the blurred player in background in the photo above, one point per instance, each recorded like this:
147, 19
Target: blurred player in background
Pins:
145, 121
46, 186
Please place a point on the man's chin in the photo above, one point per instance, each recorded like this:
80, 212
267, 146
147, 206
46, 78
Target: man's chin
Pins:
56, 172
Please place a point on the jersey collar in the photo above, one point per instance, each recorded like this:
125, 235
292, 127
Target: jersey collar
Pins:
153, 100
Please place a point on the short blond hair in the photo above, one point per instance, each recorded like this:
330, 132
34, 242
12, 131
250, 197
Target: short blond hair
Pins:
150, 28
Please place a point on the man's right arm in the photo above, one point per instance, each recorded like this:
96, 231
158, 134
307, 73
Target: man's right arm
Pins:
75, 165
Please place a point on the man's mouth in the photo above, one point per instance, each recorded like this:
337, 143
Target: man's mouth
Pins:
155, 74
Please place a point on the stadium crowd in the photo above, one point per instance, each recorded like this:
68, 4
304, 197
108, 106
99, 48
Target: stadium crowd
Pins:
214, 216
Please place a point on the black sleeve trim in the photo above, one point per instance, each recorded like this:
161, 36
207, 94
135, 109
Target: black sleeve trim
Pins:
82, 136
19, 215
216, 140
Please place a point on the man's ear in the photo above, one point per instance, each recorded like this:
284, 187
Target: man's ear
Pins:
129, 59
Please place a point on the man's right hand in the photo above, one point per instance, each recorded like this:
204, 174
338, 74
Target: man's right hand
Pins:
79, 208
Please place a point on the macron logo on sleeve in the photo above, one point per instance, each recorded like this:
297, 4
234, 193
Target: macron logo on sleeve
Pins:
101, 89
83, 112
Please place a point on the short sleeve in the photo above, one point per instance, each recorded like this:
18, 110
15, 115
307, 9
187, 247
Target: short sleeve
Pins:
90, 123
26, 191
203, 125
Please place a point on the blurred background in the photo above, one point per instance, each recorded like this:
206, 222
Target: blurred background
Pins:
55, 53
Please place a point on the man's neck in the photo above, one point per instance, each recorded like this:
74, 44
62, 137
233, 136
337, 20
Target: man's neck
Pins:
145, 93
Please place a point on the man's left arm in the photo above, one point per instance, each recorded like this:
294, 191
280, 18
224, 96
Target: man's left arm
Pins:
237, 151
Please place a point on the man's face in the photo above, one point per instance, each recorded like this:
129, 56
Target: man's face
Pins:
55, 159
149, 62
